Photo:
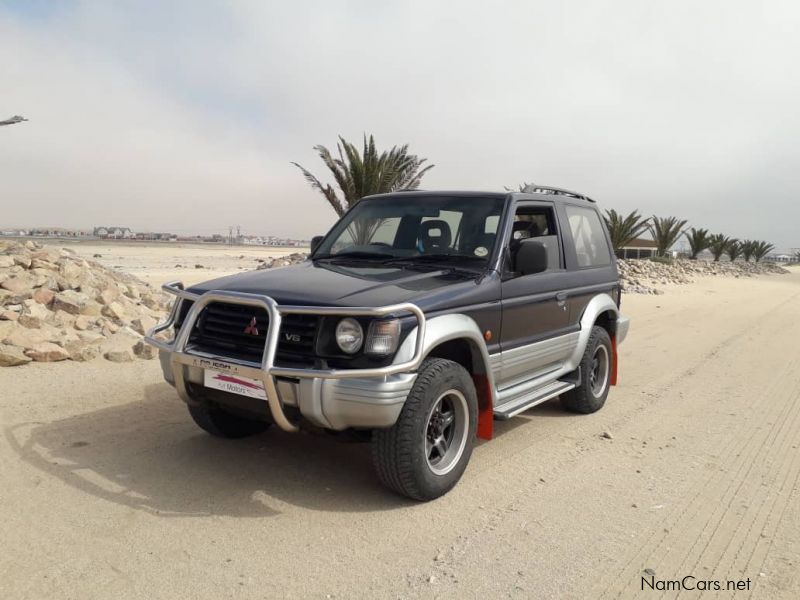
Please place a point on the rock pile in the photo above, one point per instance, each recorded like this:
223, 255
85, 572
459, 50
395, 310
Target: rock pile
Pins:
55, 306
282, 261
641, 276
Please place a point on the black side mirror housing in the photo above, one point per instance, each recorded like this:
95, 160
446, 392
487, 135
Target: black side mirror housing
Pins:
315, 242
531, 257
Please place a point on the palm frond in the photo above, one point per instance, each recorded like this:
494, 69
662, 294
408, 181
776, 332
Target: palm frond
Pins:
719, 244
698, 241
365, 171
665, 232
624, 229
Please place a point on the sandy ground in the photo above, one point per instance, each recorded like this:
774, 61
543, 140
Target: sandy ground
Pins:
157, 263
110, 491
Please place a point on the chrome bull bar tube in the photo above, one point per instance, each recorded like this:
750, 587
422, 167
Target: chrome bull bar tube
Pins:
267, 371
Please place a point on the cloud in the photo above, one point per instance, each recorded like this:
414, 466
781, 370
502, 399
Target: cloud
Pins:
186, 117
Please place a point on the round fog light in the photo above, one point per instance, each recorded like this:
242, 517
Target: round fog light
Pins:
349, 335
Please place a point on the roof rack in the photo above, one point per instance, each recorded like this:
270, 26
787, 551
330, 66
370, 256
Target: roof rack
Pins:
546, 189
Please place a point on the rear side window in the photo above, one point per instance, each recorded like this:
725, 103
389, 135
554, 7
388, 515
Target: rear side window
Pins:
590, 239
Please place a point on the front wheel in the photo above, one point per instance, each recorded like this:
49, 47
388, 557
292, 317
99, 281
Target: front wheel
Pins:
427, 450
596, 366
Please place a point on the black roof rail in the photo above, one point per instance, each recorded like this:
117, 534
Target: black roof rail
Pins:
546, 189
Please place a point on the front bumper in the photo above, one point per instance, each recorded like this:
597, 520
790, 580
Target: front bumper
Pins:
331, 398
330, 403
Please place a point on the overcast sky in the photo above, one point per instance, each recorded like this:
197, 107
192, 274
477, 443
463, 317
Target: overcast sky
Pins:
184, 116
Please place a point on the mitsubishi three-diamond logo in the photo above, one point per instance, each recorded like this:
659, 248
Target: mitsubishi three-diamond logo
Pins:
252, 328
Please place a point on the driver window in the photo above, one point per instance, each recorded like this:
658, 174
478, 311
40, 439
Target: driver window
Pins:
536, 222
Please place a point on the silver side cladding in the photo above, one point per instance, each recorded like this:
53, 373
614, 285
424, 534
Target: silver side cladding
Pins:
342, 403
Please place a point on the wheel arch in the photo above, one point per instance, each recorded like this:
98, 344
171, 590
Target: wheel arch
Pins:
603, 312
458, 338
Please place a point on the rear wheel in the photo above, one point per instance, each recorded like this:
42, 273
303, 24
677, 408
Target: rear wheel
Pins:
221, 423
596, 366
427, 450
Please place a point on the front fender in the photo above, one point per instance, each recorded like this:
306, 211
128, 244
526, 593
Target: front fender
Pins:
445, 328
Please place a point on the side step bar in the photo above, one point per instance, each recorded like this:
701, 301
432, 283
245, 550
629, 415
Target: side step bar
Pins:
530, 399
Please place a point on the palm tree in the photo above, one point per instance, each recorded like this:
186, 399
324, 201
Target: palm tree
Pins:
719, 244
625, 229
361, 174
748, 249
734, 249
666, 231
761, 249
698, 241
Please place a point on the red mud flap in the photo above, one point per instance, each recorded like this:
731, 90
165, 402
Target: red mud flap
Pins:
485, 407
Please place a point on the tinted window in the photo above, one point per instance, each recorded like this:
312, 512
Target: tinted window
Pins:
589, 236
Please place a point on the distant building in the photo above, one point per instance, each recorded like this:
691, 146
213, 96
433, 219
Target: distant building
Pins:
56, 232
638, 248
114, 233
778, 258
159, 237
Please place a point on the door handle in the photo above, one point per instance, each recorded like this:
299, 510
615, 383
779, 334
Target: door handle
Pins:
561, 298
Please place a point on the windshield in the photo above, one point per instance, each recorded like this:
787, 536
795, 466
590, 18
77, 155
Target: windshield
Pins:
416, 229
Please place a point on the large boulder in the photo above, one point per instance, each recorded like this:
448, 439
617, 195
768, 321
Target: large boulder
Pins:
12, 356
47, 352
144, 350
19, 284
119, 355
34, 315
70, 301
84, 322
115, 311
108, 295
27, 338
22, 261
143, 324
44, 296
82, 350
38, 263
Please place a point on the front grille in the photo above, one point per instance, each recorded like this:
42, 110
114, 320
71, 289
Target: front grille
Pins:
297, 339
220, 330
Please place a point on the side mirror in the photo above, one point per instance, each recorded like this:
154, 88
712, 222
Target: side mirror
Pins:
531, 257
315, 242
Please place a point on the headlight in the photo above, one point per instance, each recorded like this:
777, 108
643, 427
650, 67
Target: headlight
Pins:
383, 337
349, 335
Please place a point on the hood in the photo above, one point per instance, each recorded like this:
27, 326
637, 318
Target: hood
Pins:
357, 284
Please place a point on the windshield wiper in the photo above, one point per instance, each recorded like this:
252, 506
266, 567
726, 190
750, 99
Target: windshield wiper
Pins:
453, 262
356, 254
440, 258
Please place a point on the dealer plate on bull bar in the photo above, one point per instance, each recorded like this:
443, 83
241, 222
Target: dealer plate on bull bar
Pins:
234, 384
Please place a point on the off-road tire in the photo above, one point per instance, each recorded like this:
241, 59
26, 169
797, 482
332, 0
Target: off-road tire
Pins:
221, 423
584, 398
399, 452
